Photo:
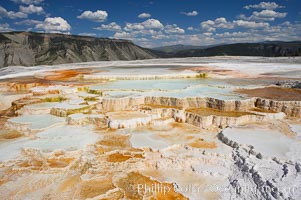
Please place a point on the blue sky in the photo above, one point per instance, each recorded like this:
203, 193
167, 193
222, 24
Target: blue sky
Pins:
151, 23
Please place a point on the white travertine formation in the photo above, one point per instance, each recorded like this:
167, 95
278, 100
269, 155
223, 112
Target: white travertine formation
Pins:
130, 120
100, 139
140, 76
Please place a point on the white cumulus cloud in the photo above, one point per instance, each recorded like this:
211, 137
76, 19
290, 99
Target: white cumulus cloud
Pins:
190, 14
28, 2
264, 15
148, 24
222, 23
174, 29
269, 15
98, 16
28, 22
122, 35
133, 26
11, 14
264, 5
5, 27
31, 9
54, 25
152, 24
109, 27
250, 24
211, 26
144, 15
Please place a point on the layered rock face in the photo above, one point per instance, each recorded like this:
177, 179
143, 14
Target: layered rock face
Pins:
28, 49
99, 120
220, 121
165, 101
131, 120
212, 120
229, 105
176, 108
291, 108
127, 103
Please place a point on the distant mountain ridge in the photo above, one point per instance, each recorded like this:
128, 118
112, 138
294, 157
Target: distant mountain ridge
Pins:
266, 49
177, 48
28, 49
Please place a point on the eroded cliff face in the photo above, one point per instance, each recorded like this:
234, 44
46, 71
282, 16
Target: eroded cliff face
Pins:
127, 103
291, 108
28, 49
223, 105
213, 112
217, 113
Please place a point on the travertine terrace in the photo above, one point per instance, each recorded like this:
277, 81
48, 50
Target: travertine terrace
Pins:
197, 128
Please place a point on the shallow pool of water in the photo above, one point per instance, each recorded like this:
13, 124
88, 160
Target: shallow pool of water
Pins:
38, 121
179, 88
69, 138
161, 84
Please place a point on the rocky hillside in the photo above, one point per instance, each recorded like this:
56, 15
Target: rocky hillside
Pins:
28, 49
268, 49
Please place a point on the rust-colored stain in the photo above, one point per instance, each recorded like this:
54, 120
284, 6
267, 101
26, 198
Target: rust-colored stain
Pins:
59, 162
119, 157
134, 180
64, 75
120, 141
92, 188
10, 134
199, 143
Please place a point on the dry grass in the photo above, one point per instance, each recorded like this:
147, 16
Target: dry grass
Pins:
211, 111
274, 93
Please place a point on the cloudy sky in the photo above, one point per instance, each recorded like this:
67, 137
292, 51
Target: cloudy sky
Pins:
151, 23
